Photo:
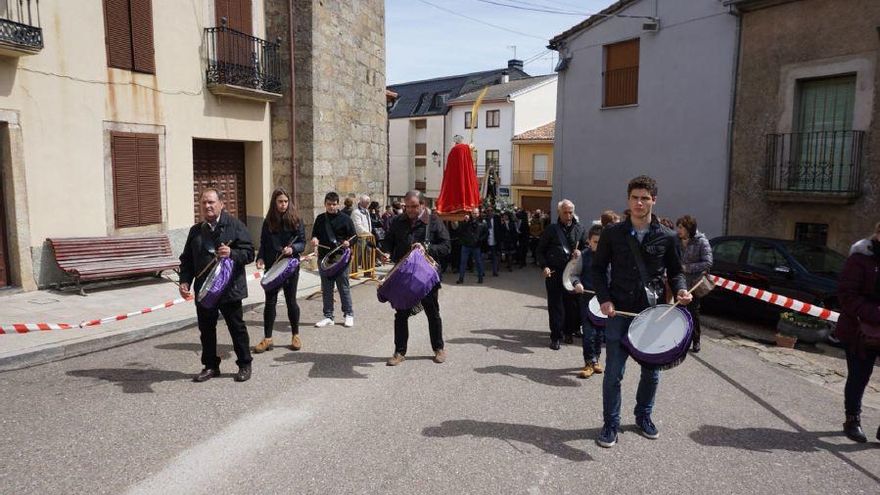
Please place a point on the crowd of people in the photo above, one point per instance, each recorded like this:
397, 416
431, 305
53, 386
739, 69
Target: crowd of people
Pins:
630, 263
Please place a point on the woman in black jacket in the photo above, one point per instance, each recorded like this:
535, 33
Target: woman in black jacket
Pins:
282, 235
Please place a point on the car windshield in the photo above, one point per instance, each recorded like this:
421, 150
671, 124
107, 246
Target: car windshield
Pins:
818, 259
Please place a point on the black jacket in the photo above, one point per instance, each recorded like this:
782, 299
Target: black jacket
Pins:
493, 224
341, 228
403, 233
660, 251
550, 252
472, 233
202, 243
271, 243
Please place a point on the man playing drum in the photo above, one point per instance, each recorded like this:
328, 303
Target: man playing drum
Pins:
219, 235
332, 229
417, 227
638, 250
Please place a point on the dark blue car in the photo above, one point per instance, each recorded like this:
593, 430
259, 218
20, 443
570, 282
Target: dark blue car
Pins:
806, 272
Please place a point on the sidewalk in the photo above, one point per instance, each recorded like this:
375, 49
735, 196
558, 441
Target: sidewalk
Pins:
51, 306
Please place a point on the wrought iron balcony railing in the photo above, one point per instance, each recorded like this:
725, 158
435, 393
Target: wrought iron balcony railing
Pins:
826, 162
20, 31
241, 60
532, 178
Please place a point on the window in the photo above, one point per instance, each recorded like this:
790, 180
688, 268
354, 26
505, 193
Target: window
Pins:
467, 121
439, 101
765, 256
728, 251
492, 157
128, 29
539, 167
421, 124
137, 197
621, 76
811, 233
493, 118
421, 162
421, 149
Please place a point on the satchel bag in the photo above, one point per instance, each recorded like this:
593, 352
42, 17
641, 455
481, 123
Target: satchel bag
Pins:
870, 335
705, 287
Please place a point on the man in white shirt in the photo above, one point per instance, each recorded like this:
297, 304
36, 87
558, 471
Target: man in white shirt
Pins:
363, 226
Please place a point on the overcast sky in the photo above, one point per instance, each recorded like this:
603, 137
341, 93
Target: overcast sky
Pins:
424, 41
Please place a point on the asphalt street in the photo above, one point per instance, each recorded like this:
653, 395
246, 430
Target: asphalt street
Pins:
504, 414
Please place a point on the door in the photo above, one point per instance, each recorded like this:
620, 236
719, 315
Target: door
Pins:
532, 203
235, 48
4, 251
220, 164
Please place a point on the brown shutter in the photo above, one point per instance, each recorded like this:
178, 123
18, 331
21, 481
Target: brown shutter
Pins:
238, 14
149, 183
142, 36
245, 19
622, 73
125, 179
117, 30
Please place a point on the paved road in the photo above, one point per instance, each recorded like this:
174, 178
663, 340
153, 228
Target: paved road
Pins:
505, 414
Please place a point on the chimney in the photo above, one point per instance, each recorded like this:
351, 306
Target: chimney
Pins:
515, 64
505, 77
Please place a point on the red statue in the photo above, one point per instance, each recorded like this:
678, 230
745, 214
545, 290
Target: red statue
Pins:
460, 191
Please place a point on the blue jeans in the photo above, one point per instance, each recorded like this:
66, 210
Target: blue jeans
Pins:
467, 252
615, 362
342, 283
593, 336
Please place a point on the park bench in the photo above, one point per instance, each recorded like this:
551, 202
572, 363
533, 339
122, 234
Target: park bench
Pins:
100, 258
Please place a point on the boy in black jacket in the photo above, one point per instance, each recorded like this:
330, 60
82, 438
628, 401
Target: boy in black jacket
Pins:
333, 228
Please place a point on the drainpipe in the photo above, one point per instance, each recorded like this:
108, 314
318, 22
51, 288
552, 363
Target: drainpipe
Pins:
293, 168
732, 118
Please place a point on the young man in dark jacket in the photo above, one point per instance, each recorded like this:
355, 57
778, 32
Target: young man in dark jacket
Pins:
331, 229
625, 291
593, 335
559, 243
417, 226
471, 234
218, 234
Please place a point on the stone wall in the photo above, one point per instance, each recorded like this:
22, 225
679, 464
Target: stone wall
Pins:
815, 38
339, 95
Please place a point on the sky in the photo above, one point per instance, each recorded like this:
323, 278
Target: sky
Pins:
425, 40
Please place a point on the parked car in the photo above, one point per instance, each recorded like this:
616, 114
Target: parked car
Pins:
806, 272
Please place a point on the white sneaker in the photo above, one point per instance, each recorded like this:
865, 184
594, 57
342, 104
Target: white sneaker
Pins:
326, 322
349, 321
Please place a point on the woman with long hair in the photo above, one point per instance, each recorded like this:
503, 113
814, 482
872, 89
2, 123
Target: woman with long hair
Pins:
859, 293
696, 259
282, 236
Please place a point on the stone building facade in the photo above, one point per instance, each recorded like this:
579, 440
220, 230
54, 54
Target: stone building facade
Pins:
806, 147
339, 141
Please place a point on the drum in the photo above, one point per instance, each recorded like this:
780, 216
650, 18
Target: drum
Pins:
334, 262
282, 270
660, 343
215, 283
596, 317
572, 273
411, 279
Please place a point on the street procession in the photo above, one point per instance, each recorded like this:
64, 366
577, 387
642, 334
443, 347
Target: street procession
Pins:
469, 255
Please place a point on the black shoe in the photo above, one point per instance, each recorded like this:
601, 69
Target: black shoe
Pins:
480, 280
696, 348
568, 339
244, 374
554, 344
878, 433
206, 374
852, 428
607, 437
578, 333
459, 281
495, 274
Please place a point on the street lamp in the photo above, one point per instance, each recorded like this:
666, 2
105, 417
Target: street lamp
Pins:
435, 157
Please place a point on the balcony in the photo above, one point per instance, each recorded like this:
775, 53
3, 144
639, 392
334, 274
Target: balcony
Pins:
532, 178
242, 66
814, 167
20, 32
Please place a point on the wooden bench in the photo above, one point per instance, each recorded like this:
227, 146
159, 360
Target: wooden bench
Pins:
99, 258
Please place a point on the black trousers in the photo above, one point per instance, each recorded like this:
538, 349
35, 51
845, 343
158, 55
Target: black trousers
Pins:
269, 311
232, 314
562, 307
694, 309
431, 306
859, 366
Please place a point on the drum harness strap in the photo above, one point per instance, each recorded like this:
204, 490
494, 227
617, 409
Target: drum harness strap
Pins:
643, 272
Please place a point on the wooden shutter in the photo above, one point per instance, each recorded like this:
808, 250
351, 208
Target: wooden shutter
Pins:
117, 31
149, 183
622, 73
142, 36
137, 196
238, 14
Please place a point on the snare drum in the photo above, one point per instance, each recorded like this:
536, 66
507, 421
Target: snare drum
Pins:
278, 273
334, 262
660, 343
572, 273
411, 279
215, 283
596, 317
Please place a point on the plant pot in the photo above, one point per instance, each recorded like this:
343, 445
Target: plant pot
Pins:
786, 341
806, 334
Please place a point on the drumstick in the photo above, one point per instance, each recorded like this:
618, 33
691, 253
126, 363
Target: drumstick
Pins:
206, 268
626, 313
678, 301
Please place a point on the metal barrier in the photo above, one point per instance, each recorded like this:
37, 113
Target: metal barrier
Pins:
363, 257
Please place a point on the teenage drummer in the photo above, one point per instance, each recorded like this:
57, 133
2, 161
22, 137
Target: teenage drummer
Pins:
331, 230
638, 250
593, 335
417, 227
218, 235
282, 237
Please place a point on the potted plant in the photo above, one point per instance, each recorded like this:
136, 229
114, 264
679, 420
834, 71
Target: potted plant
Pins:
794, 326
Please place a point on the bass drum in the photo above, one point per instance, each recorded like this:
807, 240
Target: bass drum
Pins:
656, 342
215, 283
411, 279
334, 262
278, 273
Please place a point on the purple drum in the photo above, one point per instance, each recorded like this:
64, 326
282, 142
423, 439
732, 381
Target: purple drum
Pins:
282, 270
411, 279
334, 262
596, 317
660, 342
215, 283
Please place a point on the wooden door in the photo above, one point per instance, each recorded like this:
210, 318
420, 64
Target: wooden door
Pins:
220, 164
4, 252
235, 48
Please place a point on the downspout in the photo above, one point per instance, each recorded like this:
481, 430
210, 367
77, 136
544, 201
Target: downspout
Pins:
732, 118
294, 190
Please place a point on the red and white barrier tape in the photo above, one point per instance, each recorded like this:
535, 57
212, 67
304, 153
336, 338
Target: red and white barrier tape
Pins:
785, 302
33, 327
